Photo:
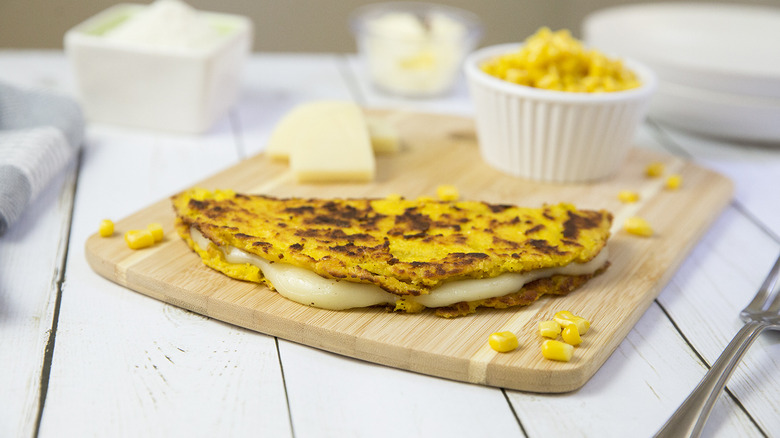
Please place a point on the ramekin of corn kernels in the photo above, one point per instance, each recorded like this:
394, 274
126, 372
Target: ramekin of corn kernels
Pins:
551, 109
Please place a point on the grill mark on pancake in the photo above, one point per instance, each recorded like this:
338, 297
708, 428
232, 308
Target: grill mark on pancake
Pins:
413, 220
327, 220
577, 222
545, 247
508, 243
328, 235
498, 208
265, 245
303, 209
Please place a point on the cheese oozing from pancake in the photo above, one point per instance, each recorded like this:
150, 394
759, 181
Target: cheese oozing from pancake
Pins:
412, 254
308, 288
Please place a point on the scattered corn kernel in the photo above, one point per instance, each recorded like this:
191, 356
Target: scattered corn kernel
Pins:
558, 61
565, 318
557, 350
503, 341
571, 335
637, 225
447, 192
673, 182
628, 196
106, 228
156, 230
137, 239
549, 329
654, 169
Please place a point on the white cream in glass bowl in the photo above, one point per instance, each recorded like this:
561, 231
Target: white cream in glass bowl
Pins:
414, 49
549, 135
163, 66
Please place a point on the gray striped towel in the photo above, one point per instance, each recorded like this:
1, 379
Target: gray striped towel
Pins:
40, 133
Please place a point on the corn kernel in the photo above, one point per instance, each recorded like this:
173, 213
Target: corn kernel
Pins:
503, 341
571, 335
637, 225
558, 61
447, 192
137, 239
106, 228
549, 329
628, 196
673, 182
557, 350
156, 230
654, 169
565, 318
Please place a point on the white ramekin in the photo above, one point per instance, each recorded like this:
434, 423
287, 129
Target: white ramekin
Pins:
554, 136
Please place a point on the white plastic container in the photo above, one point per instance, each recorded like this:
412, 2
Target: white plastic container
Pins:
414, 49
554, 136
157, 86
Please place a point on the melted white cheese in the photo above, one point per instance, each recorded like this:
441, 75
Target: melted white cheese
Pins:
306, 287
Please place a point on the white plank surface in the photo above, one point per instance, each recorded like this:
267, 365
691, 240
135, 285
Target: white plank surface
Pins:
754, 168
334, 396
31, 260
631, 395
704, 300
127, 365
32, 252
135, 366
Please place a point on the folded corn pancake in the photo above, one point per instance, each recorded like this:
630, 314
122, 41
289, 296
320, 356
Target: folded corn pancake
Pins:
408, 254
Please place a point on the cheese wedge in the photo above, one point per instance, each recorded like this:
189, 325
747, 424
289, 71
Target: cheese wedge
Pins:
384, 138
327, 141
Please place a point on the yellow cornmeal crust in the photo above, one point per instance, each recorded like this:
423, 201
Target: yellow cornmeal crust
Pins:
405, 246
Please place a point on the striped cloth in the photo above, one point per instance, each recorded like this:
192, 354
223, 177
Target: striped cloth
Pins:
40, 133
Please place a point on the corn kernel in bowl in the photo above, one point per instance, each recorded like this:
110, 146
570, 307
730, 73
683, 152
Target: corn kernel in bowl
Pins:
557, 61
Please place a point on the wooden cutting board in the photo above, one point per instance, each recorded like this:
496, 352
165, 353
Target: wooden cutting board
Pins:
440, 149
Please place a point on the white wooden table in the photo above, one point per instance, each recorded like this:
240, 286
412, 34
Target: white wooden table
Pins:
81, 356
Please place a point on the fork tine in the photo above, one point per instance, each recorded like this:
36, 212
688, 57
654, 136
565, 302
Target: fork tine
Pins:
774, 306
757, 305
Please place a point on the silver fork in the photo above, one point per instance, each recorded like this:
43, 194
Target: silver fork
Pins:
762, 313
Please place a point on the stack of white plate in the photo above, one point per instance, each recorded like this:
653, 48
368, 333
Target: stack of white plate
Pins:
718, 64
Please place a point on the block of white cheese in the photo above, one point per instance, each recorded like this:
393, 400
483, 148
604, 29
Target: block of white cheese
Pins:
330, 143
288, 130
384, 138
